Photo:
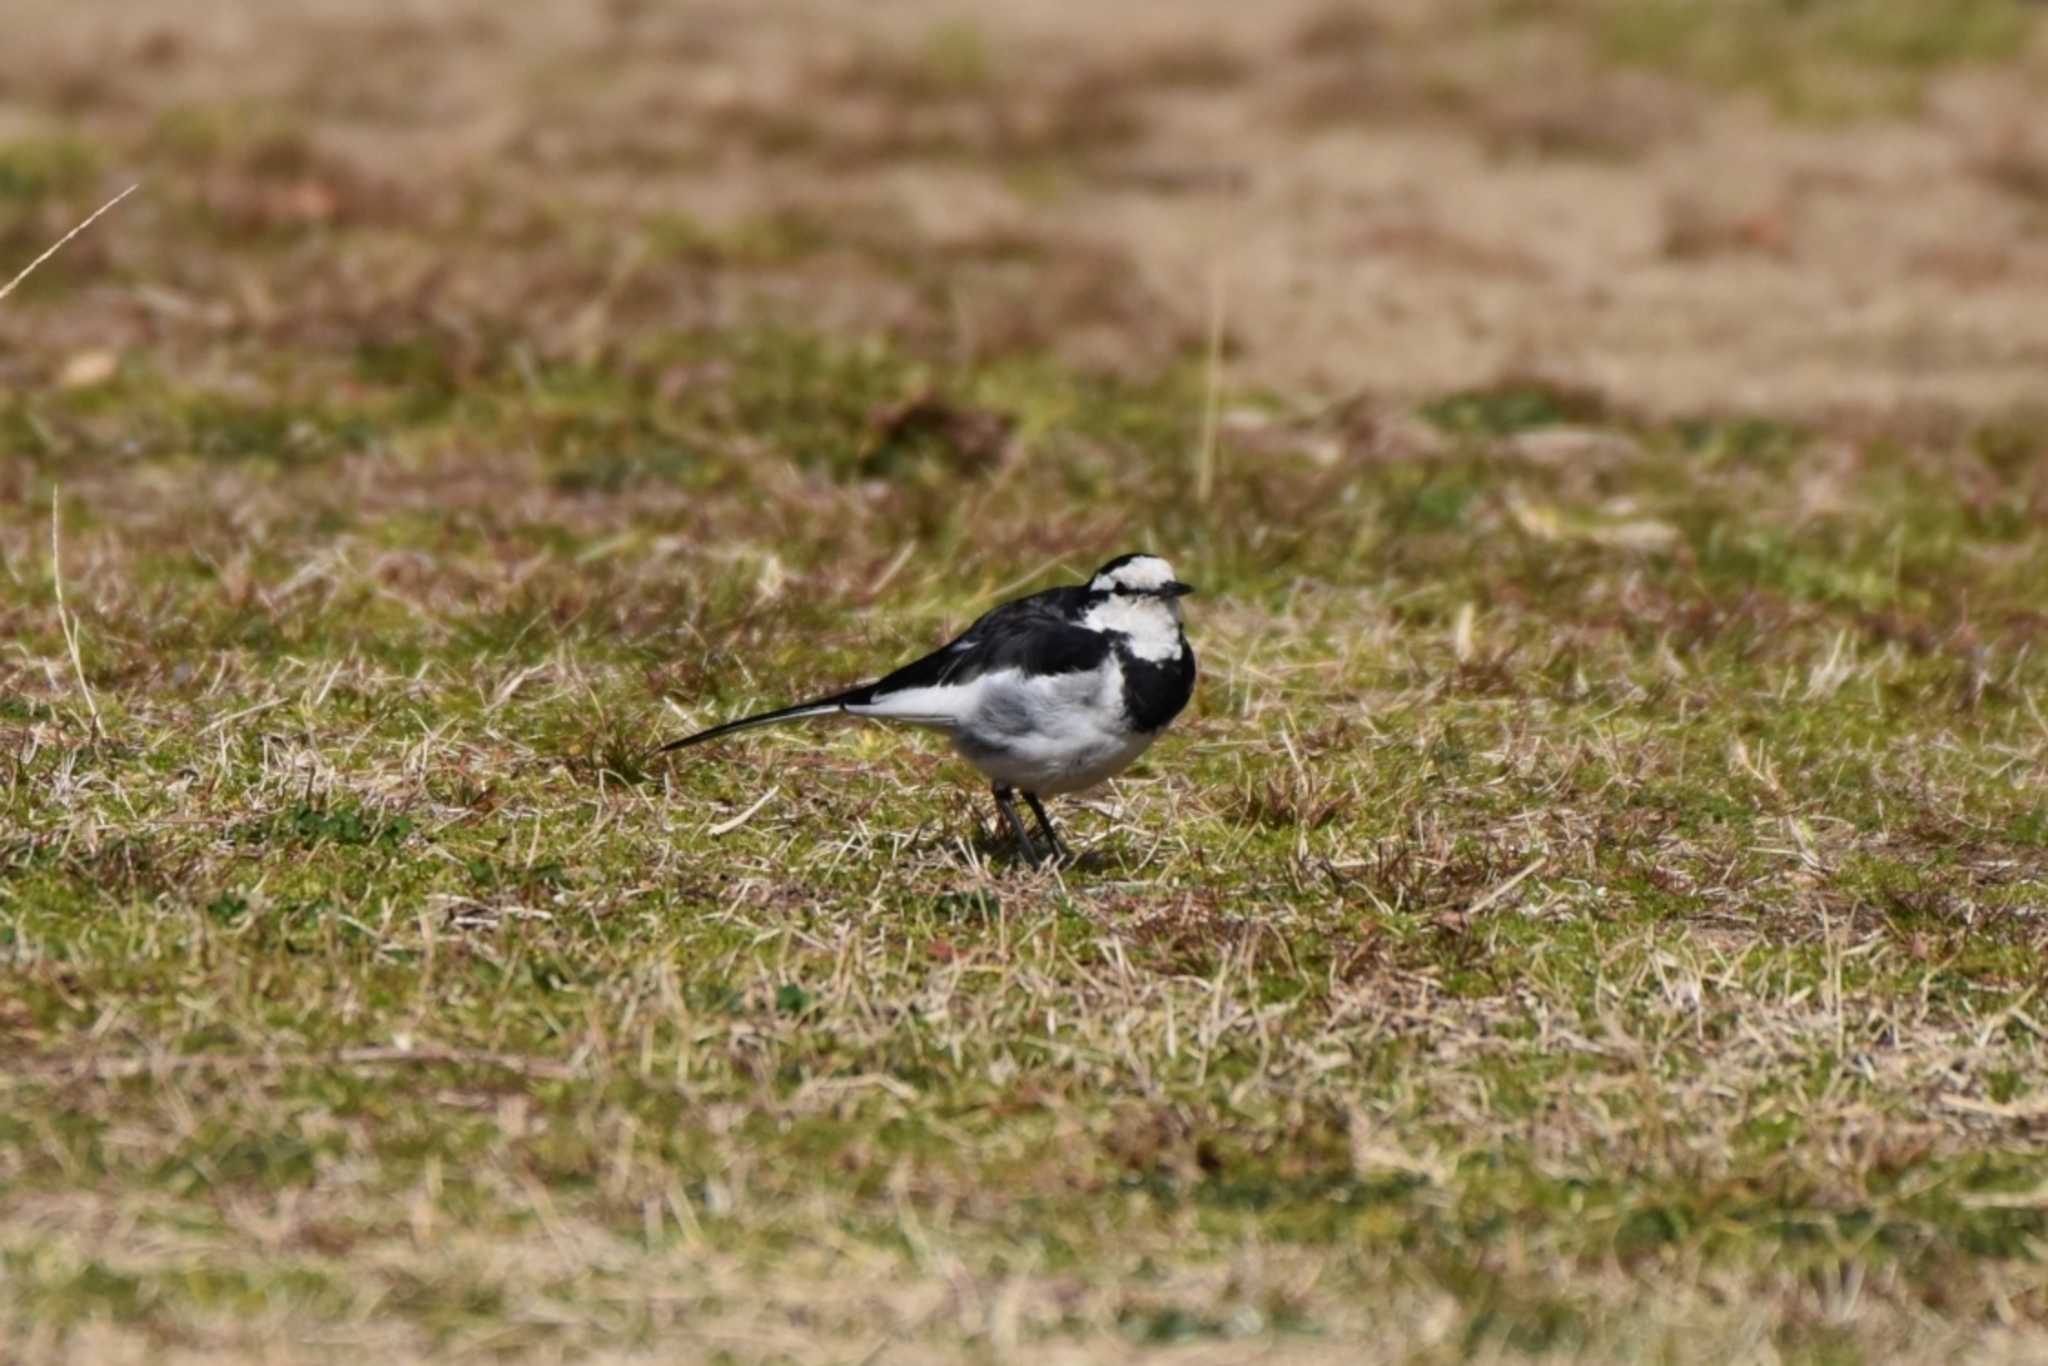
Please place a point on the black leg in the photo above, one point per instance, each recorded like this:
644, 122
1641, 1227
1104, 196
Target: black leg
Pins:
1006, 803
1059, 850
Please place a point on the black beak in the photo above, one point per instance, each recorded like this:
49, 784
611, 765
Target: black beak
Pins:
1177, 589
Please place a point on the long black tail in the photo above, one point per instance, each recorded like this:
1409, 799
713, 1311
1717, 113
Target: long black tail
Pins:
823, 706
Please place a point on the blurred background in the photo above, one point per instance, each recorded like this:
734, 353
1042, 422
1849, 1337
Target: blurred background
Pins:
1692, 203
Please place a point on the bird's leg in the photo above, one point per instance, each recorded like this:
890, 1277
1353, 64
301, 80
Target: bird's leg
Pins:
1059, 850
1007, 804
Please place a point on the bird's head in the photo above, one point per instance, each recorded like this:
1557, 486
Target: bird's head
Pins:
1143, 581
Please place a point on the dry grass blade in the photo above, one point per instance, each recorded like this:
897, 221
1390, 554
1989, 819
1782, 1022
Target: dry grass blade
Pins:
61, 242
1212, 391
121, 1068
65, 622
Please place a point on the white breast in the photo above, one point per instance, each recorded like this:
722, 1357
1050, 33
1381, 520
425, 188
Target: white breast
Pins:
1051, 733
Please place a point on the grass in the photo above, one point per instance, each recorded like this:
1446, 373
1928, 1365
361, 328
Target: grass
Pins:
1593, 907
1521, 924
1829, 59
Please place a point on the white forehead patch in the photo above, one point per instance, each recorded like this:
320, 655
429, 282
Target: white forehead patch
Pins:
1140, 575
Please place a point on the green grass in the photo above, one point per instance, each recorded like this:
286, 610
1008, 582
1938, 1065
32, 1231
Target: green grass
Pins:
1825, 58
1519, 923
1593, 907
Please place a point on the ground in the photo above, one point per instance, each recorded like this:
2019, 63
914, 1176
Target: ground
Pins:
1594, 906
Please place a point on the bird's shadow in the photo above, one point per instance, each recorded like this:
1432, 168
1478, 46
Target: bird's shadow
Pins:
1000, 851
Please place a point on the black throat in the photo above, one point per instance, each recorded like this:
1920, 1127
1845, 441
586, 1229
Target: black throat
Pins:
1155, 690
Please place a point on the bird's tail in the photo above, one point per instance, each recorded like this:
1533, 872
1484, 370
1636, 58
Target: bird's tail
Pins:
822, 706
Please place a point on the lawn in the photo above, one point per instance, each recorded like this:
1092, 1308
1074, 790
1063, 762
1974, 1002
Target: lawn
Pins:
1594, 906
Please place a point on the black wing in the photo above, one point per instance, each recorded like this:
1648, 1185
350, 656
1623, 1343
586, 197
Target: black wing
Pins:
1037, 634
1040, 634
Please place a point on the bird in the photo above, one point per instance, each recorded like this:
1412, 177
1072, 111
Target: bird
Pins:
1047, 694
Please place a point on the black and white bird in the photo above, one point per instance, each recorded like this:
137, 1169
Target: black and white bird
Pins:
1047, 694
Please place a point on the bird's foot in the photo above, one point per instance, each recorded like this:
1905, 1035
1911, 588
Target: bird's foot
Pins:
1060, 852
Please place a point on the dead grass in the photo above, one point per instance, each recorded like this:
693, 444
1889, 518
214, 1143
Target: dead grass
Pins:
1593, 910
